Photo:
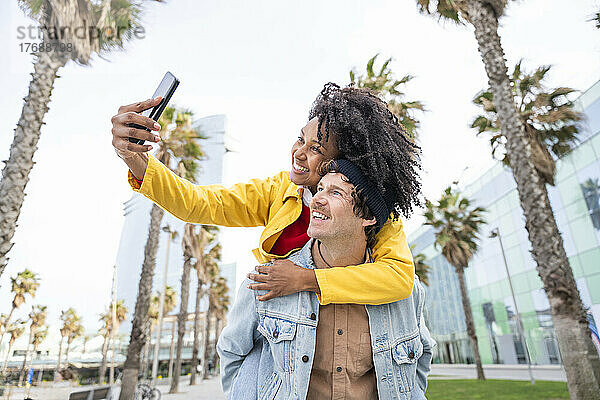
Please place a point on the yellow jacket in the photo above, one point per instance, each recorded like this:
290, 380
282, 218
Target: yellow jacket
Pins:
275, 203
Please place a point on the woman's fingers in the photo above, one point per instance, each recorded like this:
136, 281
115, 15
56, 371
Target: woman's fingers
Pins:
130, 118
140, 105
263, 269
258, 286
268, 296
258, 277
124, 132
124, 144
129, 123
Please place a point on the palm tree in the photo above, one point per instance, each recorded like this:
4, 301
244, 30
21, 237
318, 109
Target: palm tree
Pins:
191, 249
211, 262
107, 329
86, 339
183, 308
15, 330
121, 17
550, 120
199, 242
457, 227
387, 86
38, 337
168, 306
37, 317
76, 331
180, 143
104, 331
152, 320
25, 283
421, 268
172, 236
220, 297
581, 361
69, 319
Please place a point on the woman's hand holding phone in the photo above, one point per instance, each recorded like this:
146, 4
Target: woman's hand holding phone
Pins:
122, 128
132, 153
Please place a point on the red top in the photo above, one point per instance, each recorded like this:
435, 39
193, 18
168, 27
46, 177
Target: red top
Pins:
293, 236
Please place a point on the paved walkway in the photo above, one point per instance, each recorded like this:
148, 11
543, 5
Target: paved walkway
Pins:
209, 389
499, 371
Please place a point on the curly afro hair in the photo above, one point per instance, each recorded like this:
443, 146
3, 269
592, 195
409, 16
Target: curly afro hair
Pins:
369, 135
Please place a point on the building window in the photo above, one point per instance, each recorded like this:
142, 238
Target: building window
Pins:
591, 194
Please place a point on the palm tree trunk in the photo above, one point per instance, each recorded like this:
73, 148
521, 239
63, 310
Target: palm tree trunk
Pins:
207, 329
22, 374
146, 350
181, 321
460, 272
137, 338
6, 321
580, 359
15, 174
217, 333
171, 350
102, 372
10, 345
67, 354
196, 348
59, 357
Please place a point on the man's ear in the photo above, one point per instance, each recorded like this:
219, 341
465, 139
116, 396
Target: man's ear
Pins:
369, 222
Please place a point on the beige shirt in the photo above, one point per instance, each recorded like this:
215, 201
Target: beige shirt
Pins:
343, 362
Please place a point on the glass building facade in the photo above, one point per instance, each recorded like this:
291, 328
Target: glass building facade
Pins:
575, 201
134, 234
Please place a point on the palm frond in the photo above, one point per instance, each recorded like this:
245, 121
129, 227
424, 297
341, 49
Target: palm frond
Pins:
549, 116
388, 89
180, 142
32, 8
88, 26
457, 225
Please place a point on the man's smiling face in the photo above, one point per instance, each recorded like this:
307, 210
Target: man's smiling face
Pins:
332, 210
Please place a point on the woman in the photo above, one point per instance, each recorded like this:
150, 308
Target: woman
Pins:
347, 123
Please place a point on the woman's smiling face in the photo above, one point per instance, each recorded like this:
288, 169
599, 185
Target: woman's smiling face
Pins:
308, 154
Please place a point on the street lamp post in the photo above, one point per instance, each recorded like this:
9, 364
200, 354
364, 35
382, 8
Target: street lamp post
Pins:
171, 235
496, 233
113, 329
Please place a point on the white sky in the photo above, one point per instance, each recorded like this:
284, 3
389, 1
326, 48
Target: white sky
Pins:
261, 64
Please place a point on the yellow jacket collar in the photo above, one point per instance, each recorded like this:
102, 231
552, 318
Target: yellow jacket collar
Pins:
293, 191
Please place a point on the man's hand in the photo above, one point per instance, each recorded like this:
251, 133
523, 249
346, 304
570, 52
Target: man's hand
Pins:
283, 278
121, 131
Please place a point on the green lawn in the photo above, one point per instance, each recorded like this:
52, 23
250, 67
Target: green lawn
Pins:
470, 389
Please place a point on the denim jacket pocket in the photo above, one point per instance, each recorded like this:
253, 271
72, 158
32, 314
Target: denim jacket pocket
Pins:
280, 333
405, 355
276, 329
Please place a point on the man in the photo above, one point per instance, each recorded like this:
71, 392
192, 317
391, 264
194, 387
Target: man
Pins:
301, 350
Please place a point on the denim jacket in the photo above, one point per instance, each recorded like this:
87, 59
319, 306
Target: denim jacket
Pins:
267, 347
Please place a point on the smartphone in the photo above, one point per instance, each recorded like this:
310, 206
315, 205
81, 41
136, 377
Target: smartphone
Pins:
166, 88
